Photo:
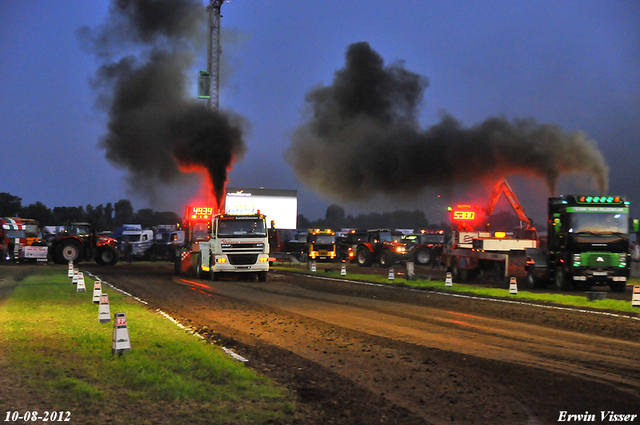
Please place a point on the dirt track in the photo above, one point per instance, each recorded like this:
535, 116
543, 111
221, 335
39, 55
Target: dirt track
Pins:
369, 354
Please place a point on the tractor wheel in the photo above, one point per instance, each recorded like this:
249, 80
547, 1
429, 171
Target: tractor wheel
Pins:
386, 259
107, 256
69, 251
562, 282
364, 257
424, 256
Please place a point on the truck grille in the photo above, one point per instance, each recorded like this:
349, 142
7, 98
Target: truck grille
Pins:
243, 259
243, 247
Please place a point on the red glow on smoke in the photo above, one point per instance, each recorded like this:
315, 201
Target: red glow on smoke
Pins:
206, 193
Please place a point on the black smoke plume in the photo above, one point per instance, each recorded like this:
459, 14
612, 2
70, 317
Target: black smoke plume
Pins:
362, 138
157, 130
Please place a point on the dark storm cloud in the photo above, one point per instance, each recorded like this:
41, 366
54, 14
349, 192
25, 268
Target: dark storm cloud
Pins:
362, 138
156, 129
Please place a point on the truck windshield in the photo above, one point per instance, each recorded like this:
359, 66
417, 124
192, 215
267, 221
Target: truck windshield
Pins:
22, 234
240, 228
324, 239
599, 223
386, 237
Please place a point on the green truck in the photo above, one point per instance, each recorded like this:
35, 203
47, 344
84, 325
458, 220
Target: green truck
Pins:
587, 244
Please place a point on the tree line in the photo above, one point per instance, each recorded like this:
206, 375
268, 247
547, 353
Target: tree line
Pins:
111, 216
102, 217
335, 218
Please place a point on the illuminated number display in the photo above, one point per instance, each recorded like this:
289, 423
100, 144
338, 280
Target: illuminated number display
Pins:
464, 215
201, 212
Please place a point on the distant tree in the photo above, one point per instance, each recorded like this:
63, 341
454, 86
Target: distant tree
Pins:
9, 205
334, 216
124, 212
108, 216
502, 221
62, 214
146, 218
38, 212
166, 217
303, 222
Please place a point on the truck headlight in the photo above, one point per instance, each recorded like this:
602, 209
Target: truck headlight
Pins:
623, 260
577, 259
400, 249
221, 260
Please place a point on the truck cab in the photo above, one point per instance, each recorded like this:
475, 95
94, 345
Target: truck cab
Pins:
141, 240
237, 244
321, 244
588, 243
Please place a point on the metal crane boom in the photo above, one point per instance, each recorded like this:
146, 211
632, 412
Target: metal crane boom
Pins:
213, 62
503, 187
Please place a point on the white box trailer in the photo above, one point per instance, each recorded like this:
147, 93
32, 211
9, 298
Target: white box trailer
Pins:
279, 206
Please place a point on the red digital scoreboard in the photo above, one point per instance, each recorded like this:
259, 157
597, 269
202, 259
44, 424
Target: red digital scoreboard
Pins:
199, 213
463, 213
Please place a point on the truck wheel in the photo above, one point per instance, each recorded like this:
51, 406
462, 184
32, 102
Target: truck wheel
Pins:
424, 256
364, 257
199, 271
215, 276
562, 282
618, 286
262, 276
455, 270
107, 256
69, 251
386, 259
534, 280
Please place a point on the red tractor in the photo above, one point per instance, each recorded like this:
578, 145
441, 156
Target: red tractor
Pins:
79, 241
381, 247
426, 246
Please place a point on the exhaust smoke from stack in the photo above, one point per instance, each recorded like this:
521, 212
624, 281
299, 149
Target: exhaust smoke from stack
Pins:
157, 130
361, 138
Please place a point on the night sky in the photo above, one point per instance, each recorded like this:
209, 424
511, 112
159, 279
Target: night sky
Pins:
573, 66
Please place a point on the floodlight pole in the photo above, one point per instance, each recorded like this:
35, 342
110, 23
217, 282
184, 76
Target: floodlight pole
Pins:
213, 62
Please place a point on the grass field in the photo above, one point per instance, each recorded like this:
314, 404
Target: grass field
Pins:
439, 285
51, 338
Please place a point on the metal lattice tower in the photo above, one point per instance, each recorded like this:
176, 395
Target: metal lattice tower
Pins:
213, 62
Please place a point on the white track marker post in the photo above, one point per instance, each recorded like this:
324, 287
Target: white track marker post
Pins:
448, 280
97, 291
104, 314
411, 271
392, 274
74, 277
635, 300
120, 334
313, 266
80, 282
513, 286
70, 272
343, 270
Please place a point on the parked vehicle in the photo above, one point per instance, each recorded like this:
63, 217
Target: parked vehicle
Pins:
79, 242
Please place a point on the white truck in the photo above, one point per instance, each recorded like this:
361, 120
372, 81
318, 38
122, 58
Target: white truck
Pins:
141, 240
238, 244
